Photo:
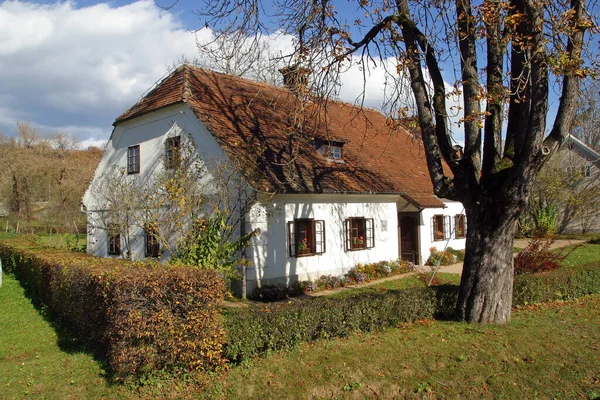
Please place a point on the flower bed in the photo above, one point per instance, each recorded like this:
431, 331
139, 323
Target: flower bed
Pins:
360, 274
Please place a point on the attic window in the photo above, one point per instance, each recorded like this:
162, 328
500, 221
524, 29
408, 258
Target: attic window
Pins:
173, 150
334, 152
330, 148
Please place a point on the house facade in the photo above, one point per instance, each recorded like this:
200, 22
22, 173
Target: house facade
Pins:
343, 186
577, 166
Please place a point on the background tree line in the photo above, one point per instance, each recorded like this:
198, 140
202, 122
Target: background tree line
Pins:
43, 180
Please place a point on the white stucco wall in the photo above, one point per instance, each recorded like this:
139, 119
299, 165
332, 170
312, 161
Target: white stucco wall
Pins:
150, 132
452, 208
270, 252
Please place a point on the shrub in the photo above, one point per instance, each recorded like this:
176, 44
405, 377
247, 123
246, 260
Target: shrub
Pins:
303, 287
460, 254
360, 274
141, 317
72, 243
437, 257
537, 257
594, 240
256, 330
269, 293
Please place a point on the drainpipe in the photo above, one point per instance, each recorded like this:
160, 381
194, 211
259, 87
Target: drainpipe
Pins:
243, 266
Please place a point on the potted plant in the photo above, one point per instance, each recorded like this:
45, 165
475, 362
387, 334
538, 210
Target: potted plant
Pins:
303, 247
358, 241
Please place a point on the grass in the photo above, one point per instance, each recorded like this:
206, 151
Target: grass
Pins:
38, 360
586, 254
544, 352
396, 284
549, 351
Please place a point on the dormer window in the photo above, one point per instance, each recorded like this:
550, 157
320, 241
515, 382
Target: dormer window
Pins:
330, 148
334, 152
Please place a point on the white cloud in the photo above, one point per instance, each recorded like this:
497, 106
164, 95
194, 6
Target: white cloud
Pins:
84, 144
63, 65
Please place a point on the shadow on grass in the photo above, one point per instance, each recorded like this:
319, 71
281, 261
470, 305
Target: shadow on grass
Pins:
66, 336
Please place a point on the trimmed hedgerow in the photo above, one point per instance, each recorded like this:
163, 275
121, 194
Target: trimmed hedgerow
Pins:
142, 317
256, 330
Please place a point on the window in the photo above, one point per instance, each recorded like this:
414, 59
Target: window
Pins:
114, 241
440, 227
173, 152
133, 159
152, 243
460, 226
360, 234
306, 237
334, 152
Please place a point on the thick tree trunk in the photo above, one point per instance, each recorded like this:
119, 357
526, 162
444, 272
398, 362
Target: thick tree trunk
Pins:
486, 285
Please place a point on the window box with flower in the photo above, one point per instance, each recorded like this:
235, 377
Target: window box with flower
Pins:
358, 242
303, 247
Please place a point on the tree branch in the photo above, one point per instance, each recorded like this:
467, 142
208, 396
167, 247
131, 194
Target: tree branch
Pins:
520, 87
435, 137
496, 48
536, 124
471, 87
570, 87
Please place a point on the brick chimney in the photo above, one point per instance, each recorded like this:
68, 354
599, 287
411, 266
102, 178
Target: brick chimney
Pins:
295, 78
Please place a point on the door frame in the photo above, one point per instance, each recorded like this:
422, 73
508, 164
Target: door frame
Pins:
416, 255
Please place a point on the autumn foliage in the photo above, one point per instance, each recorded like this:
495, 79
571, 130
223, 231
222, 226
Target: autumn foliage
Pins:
142, 317
537, 257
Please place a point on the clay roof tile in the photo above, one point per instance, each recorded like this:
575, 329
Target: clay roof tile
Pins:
256, 125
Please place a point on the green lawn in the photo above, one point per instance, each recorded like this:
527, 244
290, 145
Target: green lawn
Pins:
396, 284
37, 361
586, 254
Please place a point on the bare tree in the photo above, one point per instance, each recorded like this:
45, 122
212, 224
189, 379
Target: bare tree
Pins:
527, 46
240, 55
587, 117
192, 206
118, 197
44, 177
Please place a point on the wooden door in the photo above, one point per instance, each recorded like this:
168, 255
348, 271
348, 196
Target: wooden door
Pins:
409, 238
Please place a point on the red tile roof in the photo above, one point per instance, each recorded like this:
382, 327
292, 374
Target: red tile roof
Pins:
253, 122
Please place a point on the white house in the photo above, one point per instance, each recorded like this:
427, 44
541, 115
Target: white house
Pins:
578, 164
346, 189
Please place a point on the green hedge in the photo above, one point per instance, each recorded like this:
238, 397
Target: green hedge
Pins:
150, 317
257, 330
141, 317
